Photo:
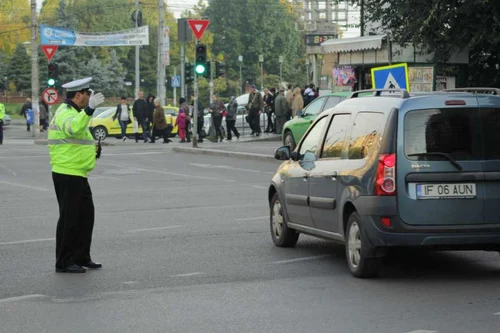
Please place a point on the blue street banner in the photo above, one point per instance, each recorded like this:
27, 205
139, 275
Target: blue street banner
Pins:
176, 81
391, 77
60, 36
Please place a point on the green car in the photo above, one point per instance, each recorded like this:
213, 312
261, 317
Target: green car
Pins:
294, 129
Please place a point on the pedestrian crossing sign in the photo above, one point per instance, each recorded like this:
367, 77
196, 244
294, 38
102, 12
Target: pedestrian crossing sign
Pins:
176, 81
391, 77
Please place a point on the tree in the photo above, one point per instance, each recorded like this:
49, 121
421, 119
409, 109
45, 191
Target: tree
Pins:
3, 71
251, 29
100, 74
19, 70
15, 23
443, 27
116, 75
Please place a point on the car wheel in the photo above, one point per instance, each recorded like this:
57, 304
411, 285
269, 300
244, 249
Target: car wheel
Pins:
100, 133
281, 234
288, 140
360, 266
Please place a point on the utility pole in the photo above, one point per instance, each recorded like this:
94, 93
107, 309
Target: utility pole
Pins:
35, 83
281, 70
240, 59
261, 60
183, 73
161, 54
137, 78
175, 88
211, 80
195, 111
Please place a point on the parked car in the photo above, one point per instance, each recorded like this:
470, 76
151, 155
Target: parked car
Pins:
294, 129
102, 125
6, 120
394, 170
240, 121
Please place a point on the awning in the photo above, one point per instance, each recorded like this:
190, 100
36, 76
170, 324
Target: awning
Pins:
353, 44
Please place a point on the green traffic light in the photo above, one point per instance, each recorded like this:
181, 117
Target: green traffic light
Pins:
200, 69
51, 82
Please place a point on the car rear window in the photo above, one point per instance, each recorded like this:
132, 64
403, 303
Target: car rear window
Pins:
454, 131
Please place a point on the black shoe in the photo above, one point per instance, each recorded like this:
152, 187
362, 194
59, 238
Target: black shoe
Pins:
92, 265
258, 134
200, 141
71, 269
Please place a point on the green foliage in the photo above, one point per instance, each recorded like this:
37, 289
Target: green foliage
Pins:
253, 27
3, 70
19, 70
446, 26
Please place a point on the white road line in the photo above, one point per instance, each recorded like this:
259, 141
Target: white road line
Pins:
187, 274
20, 298
29, 241
8, 170
422, 331
159, 228
160, 172
143, 153
299, 259
253, 218
227, 167
497, 314
25, 186
18, 157
260, 187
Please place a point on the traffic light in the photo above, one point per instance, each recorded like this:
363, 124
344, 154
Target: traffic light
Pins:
52, 74
220, 69
200, 66
188, 72
208, 69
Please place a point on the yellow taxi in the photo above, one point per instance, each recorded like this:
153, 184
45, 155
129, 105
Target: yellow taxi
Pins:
102, 124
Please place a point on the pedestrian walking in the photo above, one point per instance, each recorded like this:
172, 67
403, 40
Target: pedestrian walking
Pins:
2, 116
150, 108
124, 115
185, 108
43, 116
231, 114
140, 111
269, 108
297, 102
73, 156
216, 110
255, 106
24, 112
281, 110
160, 127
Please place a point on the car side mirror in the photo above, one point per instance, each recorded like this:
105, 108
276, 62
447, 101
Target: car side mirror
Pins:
299, 113
282, 153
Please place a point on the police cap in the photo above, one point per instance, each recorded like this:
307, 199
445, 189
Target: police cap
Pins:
78, 85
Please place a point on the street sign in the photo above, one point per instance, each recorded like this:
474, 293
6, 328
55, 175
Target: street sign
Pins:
176, 81
50, 96
391, 77
198, 27
49, 51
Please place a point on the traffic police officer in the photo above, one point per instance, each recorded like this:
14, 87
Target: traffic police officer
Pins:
2, 116
73, 156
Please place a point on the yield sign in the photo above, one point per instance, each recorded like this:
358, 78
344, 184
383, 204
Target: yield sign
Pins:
49, 51
198, 27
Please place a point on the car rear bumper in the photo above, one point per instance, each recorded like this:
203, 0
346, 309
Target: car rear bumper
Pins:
466, 237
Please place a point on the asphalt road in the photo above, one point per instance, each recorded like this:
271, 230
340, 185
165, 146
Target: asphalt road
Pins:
185, 244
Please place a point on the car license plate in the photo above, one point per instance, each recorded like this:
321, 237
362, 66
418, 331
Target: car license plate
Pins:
446, 191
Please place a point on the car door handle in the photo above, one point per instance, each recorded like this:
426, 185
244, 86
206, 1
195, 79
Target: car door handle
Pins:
334, 174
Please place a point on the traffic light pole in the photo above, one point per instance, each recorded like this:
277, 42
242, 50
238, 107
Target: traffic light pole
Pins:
195, 111
35, 83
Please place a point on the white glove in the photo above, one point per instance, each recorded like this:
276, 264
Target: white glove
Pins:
95, 100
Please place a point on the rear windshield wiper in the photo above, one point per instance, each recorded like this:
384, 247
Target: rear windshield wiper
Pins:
445, 155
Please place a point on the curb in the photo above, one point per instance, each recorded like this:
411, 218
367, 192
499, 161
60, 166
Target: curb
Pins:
44, 142
215, 152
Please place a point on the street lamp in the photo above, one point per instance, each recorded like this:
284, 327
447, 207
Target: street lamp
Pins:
261, 60
281, 58
240, 59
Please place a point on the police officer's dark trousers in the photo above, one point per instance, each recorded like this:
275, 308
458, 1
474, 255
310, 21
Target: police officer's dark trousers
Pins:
76, 220
1, 131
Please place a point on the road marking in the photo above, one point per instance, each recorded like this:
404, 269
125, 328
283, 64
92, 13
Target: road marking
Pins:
228, 167
25, 186
130, 282
28, 241
187, 274
299, 259
21, 298
161, 172
253, 218
143, 153
113, 154
8, 170
18, 157
497, 314
260, 187
422, 331
159, 228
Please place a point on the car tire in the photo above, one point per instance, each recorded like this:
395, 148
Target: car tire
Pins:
355, 248
281, 234
288, 140
100, 132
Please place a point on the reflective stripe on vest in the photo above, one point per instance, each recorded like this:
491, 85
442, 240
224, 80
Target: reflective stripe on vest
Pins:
72, 141
66, 121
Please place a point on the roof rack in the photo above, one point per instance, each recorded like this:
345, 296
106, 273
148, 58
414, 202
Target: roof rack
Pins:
476, 90
377, 92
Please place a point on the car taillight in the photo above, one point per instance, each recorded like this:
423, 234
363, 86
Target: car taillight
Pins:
385, 182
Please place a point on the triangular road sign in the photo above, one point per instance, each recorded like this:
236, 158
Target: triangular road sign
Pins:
198, 27
391, 82
49, 51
